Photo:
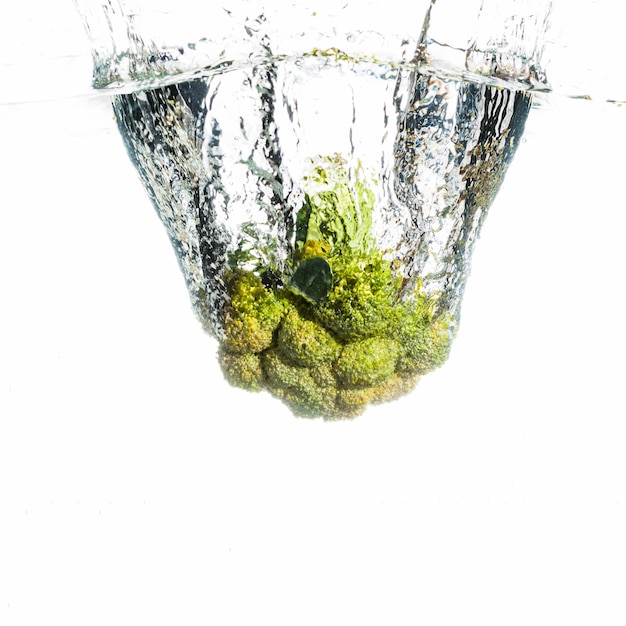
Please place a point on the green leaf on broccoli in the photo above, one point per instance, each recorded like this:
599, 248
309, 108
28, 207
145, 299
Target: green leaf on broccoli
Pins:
336, 211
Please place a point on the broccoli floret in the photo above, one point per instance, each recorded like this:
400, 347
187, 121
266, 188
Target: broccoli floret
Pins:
324, 375
394, 387
424, 336
242, 370
253, 314
304, 342
425, 347
352, 400
297, 387
334, 225
361, 302
367, 362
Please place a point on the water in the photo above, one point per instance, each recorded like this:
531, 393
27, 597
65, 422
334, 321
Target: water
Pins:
330, 180
229, 182
436, 148
228, 151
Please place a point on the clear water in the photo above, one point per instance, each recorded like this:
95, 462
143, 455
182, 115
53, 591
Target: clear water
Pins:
224, 158
227, 151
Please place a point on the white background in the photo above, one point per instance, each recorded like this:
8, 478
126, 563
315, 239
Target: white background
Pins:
136, 487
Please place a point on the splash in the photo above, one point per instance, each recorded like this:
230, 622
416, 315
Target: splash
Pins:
326, 200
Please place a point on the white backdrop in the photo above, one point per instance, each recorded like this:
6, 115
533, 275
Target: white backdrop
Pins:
136, 487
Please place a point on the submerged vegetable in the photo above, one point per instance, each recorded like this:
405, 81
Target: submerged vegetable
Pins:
337, 336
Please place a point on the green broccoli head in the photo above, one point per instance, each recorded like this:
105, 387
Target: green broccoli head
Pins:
367, 362
304, 342
242, 370
316, 371
425, 347
253, 314
425, 337
354, 400
297, 387
361, 301
337, 336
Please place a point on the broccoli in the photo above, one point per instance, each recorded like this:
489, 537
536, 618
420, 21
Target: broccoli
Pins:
253, 314
426, 345
367, 362
354, 400
361, 302
336, 336
305, 342
297, 387
242, 370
